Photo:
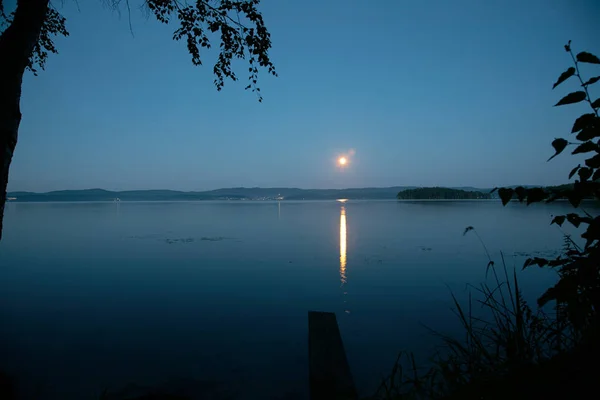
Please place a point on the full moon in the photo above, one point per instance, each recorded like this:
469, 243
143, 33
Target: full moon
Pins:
342, 160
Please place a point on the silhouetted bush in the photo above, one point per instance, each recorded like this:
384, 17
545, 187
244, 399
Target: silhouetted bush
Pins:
518, 352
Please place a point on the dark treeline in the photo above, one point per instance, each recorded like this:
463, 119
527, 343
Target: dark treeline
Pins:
440, 193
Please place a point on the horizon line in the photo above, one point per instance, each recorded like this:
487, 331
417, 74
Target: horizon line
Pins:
274, 187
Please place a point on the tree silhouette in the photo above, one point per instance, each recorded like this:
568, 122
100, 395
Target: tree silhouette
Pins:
577, 292
440, 193
26, 41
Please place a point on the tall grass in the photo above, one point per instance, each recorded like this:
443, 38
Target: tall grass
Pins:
501, 334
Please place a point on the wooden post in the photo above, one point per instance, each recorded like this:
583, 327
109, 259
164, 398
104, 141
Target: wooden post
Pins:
329, 372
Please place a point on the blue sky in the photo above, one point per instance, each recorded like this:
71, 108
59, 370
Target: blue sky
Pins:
450, 93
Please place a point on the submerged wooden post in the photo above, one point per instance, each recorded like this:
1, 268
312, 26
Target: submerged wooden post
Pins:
329, 372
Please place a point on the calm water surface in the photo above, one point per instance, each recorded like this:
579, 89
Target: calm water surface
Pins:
214, 296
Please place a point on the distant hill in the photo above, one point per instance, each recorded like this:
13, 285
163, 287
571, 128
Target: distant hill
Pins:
239, 193
440, 193
106, 195
218, 194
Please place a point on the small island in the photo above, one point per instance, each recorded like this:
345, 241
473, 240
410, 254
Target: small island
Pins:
439, 193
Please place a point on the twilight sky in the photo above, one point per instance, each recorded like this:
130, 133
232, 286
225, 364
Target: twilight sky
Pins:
449, 93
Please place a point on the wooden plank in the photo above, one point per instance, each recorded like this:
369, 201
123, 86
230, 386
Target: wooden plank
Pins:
329, 372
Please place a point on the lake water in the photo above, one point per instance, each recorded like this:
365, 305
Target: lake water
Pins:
214, 296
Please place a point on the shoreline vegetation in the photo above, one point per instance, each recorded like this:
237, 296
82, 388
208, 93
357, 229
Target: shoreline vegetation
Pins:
510, 349
241, 193
441, 193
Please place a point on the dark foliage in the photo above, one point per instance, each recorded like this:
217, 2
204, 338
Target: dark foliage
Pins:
519, 353
53, 25
237, 25
503, 355
439, 193
578, 289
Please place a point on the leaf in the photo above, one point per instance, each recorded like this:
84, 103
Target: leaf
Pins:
585, 147
541, 262
586, 57
574, 219
593, 162
564, 76
505, 194
588, 133
584, 174
559, 145
548, 295
568, 46
521, 193
558, 220
571, 98
583, 121
574, 171
535, 195
596, 103
592, 81
596, 175
589, 238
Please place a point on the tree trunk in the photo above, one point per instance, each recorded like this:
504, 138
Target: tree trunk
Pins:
16, 46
